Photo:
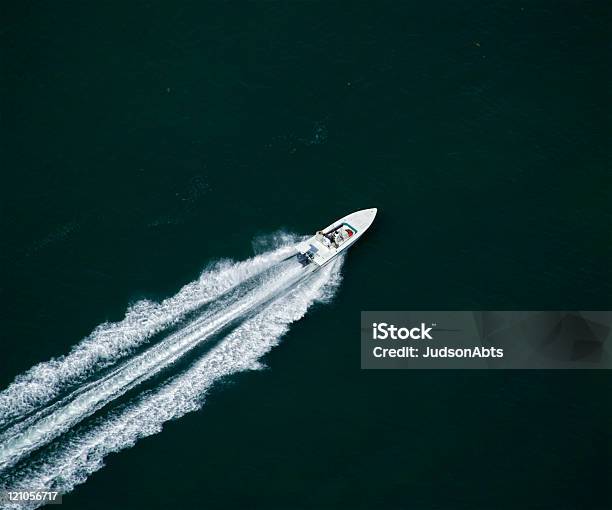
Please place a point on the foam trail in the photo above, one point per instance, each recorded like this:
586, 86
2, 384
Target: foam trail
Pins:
111, 342
38, 430
83, 453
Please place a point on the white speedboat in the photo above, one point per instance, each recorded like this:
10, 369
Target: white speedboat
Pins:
336, 238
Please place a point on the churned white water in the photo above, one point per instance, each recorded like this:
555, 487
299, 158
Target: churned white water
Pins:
111, 342
261, 315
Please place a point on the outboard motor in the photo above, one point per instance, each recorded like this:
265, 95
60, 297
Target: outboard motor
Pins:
304, 259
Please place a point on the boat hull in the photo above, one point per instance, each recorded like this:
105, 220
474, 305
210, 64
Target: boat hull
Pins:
321, 248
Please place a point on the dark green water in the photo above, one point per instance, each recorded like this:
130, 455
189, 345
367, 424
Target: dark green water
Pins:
479, 129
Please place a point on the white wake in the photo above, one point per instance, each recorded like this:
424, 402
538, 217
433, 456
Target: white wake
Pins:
111, 342
263, 313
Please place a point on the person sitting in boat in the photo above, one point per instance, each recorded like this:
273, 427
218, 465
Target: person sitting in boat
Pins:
323, 239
